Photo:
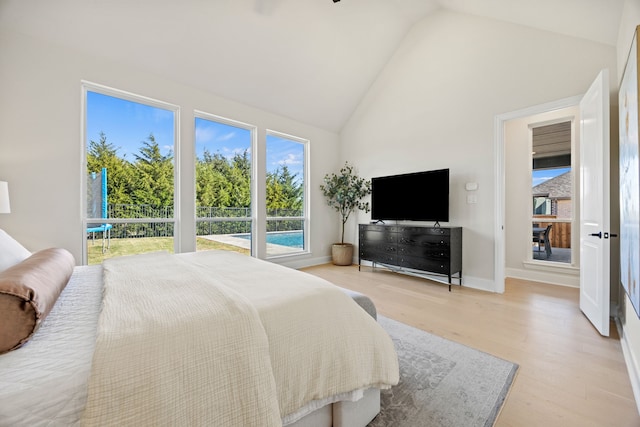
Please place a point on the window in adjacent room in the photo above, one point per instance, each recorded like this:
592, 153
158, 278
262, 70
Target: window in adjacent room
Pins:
129, 180
552, 192
286, 194
224, 217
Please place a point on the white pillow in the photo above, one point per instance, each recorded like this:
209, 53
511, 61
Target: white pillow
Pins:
11, 252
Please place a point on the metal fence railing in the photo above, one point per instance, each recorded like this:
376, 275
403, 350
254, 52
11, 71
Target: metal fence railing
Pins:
139, 211
209, 220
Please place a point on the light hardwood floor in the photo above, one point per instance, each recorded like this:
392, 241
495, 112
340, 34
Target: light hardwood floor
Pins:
569, 375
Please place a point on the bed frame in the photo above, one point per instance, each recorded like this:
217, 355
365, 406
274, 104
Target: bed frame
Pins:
345, 413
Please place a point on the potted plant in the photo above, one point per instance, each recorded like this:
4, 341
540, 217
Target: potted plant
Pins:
344, 192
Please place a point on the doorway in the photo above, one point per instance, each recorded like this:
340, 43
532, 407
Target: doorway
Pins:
596, 277
514, 145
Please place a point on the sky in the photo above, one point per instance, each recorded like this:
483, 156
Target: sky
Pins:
128, 124
542, 175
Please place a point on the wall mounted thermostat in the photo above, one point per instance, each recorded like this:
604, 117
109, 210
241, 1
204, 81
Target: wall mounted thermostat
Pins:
471, 186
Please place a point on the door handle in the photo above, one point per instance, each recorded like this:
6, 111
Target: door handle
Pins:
606, 235
598, 234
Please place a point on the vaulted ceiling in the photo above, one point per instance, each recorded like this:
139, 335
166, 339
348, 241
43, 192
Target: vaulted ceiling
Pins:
310, 60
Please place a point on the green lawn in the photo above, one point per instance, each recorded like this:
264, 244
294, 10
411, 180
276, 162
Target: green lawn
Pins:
140, 245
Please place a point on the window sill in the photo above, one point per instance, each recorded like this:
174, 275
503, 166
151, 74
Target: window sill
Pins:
558, 267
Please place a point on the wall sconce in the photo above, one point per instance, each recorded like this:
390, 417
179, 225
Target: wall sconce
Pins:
4, 197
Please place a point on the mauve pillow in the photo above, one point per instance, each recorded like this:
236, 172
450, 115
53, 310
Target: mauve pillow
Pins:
28, 291
11, 252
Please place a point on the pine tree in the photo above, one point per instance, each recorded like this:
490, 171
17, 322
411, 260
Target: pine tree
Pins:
102, 154
284, 193
153, 175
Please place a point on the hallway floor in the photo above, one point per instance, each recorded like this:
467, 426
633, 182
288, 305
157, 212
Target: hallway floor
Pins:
557, 255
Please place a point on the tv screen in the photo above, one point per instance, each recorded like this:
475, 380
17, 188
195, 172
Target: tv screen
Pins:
419, 196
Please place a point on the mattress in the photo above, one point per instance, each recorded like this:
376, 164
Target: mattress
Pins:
50, 372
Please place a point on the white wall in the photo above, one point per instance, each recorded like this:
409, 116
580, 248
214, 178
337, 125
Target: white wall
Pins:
629, 318
40, 142
434, 105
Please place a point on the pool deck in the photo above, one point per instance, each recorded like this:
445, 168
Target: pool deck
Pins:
272, 249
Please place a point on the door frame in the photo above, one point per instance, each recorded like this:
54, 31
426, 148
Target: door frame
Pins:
499, 149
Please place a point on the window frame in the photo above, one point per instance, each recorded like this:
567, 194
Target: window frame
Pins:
306, 200
198, 114
87, 86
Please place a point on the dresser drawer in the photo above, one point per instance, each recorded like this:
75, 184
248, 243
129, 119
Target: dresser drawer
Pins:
380, 228
376, 247
417, 263
428, 231
426, 240
435, 251
375, 236
382, 256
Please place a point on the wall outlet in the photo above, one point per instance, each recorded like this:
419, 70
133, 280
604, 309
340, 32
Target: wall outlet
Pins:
471, 186
472, 198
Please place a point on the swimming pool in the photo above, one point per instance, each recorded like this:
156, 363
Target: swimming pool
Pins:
293, 239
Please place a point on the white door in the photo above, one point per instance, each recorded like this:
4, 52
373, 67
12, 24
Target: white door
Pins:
594, 203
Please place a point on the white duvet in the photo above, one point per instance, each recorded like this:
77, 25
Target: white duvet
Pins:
318, 344
177, 347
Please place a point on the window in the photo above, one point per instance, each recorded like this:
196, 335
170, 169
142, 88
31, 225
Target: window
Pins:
541, 206
130, 179
286, 194
223, 184
552, 189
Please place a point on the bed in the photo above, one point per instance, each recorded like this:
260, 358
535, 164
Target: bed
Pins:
90, 364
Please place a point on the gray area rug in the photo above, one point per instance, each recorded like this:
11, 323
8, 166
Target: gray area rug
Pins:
442, 383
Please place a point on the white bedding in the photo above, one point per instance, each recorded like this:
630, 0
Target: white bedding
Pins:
176, 347
51, 371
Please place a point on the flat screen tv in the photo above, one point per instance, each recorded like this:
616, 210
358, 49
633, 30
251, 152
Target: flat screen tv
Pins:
419, 196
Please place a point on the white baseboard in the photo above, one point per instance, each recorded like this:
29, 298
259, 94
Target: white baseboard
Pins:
557, 277
301, 262
478, 283
631, 362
